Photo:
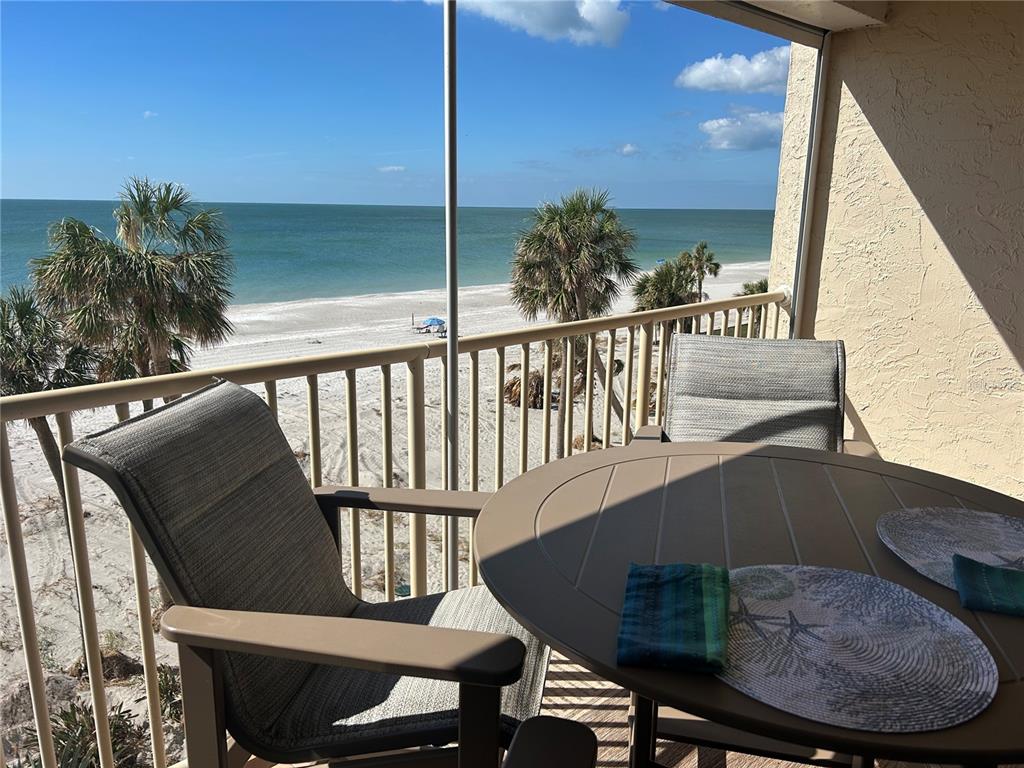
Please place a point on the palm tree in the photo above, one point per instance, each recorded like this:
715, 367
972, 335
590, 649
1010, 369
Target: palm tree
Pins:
668, 285
145, 297
754, 287
570, 265
750, 289
36, 355
703, 263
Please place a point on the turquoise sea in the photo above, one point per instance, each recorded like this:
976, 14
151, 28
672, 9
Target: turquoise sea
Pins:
285, 252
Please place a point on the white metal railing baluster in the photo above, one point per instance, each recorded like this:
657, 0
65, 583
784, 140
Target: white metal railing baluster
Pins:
627, 383
417, 476
524, 410
352, 453
271, 389
545, 456
499, 417
474, 452
588, 393
313, 415
443, 412
659, 391
643, 376
86, 606
609, 392
567, 399
23, 601
387, 466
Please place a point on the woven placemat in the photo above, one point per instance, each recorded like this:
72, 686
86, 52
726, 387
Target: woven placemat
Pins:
928, 537
853, 650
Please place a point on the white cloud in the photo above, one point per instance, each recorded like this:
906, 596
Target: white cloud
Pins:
148, 114
627, 150
745, 131
584, 22
764, 72
391, 168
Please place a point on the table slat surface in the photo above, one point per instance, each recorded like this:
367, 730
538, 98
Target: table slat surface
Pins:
555, 545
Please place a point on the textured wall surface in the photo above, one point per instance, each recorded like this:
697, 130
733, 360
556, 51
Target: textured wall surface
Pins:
792, 163
917, 252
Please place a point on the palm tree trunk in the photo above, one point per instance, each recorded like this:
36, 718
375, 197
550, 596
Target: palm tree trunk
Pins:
599, 372
51, 452
159, 355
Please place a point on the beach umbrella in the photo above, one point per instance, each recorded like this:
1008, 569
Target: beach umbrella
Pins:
451, 201
433, 321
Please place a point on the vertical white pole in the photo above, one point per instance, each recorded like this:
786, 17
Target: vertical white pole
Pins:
451, 203
798, 311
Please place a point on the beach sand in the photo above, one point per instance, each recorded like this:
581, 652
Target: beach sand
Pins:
264, 332
292, 328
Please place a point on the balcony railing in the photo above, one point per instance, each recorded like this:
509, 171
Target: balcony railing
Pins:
643, 339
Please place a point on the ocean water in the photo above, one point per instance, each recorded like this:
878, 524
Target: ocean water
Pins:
285, 252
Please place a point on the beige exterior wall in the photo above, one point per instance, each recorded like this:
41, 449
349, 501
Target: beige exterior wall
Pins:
917, 249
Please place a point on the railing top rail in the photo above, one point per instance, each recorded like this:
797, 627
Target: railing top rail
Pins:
132, 390
536, 333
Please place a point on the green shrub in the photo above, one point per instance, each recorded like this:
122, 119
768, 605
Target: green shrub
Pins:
74, 737
169, 681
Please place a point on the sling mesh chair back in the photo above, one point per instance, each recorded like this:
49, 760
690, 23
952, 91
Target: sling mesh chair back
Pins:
230, 522
783, 392
786, 392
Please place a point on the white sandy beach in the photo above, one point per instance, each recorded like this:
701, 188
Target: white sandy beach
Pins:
287, 329
268, 331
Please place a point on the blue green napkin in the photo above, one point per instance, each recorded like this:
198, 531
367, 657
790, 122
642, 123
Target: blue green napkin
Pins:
985, 587
675, 616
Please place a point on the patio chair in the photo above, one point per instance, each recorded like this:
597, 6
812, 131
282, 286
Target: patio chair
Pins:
274, 647
784, 392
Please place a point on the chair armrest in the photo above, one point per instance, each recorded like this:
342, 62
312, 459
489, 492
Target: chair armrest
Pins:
860, 448
475, 658
431, 502
552, 742
650, 433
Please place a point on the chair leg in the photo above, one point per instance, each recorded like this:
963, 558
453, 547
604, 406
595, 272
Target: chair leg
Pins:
202, 696
479, 726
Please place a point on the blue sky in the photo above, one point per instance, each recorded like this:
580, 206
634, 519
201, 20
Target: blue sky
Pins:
341, 102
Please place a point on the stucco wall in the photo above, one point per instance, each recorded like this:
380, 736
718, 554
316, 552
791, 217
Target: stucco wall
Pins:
792, 163
917, 251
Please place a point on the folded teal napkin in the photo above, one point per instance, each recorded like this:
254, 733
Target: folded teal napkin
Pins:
675, 616
985, 587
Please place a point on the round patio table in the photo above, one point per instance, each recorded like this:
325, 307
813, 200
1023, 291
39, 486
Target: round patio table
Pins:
554, 546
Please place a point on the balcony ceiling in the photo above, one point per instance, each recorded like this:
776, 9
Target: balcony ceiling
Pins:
799, 20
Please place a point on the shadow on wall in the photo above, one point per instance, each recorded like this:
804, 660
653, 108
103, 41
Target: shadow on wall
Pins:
942, 87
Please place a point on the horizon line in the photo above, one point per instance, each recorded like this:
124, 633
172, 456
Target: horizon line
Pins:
358, 205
